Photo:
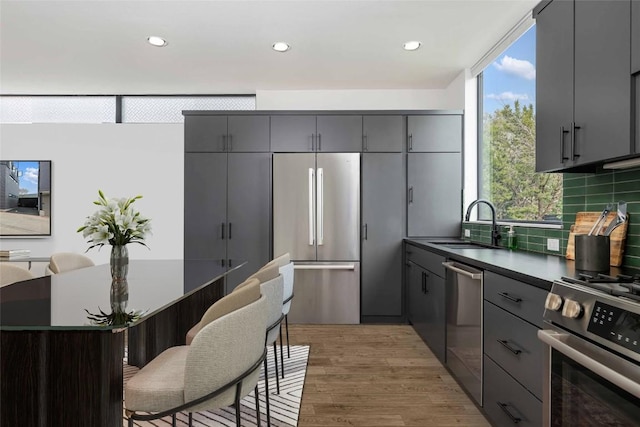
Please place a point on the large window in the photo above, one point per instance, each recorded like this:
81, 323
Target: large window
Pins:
507, 139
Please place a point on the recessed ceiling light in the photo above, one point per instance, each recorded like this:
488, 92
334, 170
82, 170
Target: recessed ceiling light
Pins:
157, 41
413, 45
281, 46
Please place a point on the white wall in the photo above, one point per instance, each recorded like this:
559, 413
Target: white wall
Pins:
120, 159
451, 98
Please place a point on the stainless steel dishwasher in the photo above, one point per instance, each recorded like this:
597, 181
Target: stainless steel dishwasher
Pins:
464, 326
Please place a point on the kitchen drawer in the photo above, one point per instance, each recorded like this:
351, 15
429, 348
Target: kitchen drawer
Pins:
523, 300
505, 400
427, 260
513, 344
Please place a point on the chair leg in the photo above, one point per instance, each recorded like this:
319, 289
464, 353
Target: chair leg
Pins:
190, 419
266, 389
237, 403
281, 354
275, 363
130, 422
173, 420
286, 326
255, 391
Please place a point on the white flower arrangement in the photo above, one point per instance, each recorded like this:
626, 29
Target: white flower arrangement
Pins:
116, 223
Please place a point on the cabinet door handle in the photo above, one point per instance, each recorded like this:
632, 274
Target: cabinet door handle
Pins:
505, 343
503, 406
365, 143
509, 297
410, 142
224, 142
223, 233
410, 194
574, 154
313, 142
319, 142
366, 234
222, 262
563, 158
229, 263
230, 230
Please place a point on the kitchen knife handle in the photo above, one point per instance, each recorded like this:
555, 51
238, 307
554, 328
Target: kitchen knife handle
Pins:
563, 158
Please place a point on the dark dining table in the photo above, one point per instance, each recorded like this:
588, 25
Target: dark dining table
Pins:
61, 367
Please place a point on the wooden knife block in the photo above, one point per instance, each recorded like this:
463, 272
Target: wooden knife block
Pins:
584, 223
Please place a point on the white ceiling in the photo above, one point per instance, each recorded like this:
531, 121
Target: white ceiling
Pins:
224, 47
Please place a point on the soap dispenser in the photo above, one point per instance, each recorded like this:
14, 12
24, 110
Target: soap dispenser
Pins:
511, 238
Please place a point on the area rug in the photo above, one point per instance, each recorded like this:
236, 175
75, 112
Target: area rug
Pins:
285, 407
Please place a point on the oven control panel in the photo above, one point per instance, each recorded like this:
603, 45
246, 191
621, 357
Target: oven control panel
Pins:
616, 325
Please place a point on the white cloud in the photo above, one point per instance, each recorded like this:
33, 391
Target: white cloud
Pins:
30, 175
517, 67
508, 96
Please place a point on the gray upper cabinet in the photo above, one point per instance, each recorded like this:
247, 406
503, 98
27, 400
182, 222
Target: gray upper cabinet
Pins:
434, 205
339, 133
293, 133
382, 133
434, 133
382, 232
226, 133
322, 133
635, 36
248, 133
554, 85
205, 133
590, 124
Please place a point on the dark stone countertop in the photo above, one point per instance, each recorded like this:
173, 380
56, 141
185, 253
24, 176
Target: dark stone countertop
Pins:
533, 268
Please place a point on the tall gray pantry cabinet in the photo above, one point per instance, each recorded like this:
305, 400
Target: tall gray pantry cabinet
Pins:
227, 197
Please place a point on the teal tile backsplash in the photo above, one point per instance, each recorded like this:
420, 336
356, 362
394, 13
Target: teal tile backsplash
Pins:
581, 192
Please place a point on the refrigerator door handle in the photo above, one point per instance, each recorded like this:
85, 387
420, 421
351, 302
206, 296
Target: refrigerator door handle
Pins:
324, 267
320, 206
311, 209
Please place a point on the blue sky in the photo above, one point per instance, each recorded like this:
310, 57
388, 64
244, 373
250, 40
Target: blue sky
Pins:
512, 75
29, 178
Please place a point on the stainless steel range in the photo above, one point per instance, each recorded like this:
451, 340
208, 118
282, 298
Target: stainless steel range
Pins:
592, 337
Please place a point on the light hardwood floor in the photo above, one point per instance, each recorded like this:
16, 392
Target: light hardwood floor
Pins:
377, 375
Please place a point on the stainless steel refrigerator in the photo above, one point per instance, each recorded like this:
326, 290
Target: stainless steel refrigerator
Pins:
316, 218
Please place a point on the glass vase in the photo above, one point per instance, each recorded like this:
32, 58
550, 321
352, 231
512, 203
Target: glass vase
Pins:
119, 263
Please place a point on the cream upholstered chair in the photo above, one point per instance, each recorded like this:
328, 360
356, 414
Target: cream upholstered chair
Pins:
10, 273
67, 261
249, 292
272, 286
221, 366
285, 267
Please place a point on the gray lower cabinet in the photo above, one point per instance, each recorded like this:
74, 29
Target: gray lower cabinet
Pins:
635, 36
434, 133
382, 133
212, 133
507, 403
583, 83
382, 232
434, 194
513, 355
227, 214
321, 133
426, 299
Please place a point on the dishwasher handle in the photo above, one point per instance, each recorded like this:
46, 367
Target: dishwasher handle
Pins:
454, 266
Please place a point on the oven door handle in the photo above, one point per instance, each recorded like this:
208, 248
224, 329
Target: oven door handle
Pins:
555, 340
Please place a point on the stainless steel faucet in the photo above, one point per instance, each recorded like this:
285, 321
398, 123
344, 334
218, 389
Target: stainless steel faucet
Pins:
495, 232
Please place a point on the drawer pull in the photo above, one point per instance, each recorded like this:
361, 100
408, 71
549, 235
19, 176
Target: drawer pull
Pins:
509, 297
503, 406
505, 343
